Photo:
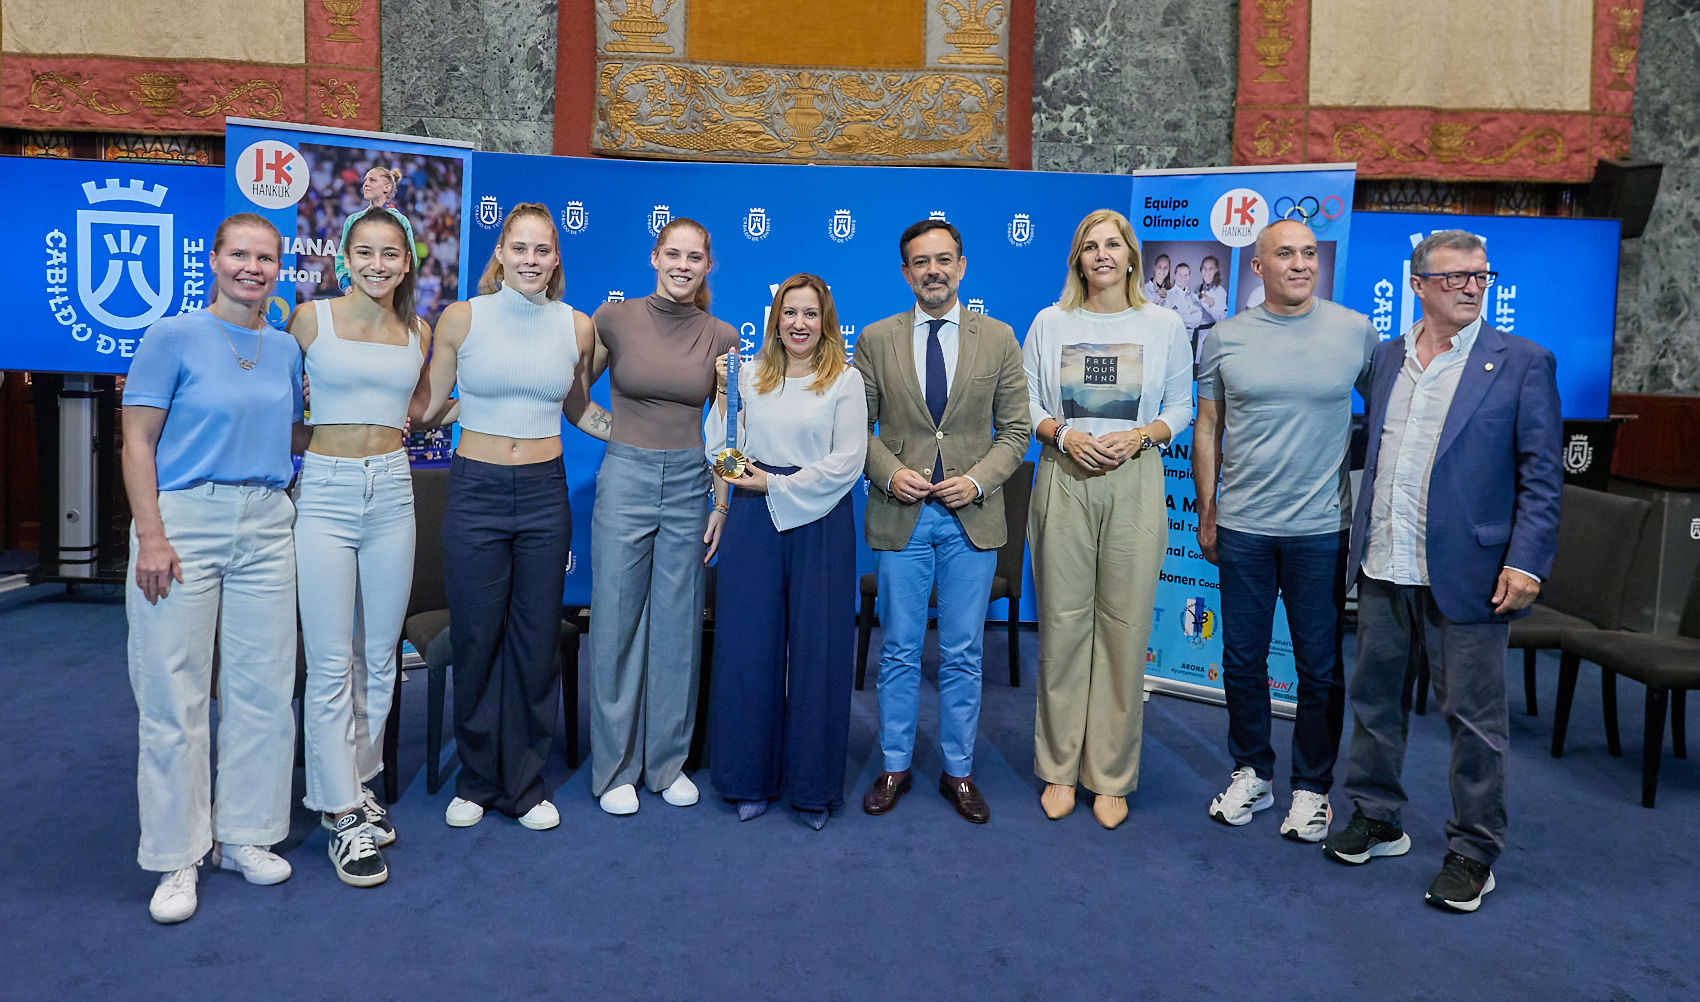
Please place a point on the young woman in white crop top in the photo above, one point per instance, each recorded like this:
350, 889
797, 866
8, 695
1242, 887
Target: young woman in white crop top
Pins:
365, 356
516, 351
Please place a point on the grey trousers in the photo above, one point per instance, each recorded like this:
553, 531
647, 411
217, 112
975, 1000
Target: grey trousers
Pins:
1467, 670
646, 600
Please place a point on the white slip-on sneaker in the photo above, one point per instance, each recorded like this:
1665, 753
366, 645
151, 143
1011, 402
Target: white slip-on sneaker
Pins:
256, 863
542, 817
1245, 796
463, 813
174, 899
1309, 817
622, 799
683, 792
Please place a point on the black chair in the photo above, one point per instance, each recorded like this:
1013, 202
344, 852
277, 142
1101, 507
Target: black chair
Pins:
1006, 580
1597, 537
1668, 666
699, 735
428, 619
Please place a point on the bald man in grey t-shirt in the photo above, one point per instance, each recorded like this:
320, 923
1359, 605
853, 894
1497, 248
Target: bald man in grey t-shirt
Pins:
1275, 419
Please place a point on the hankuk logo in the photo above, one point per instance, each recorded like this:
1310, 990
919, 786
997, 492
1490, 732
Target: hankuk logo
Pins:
842, 227
1021, 230
271, 174
1237, 217
574, 219
659, 217
756, 224
122, 268
489, 212
1578, 454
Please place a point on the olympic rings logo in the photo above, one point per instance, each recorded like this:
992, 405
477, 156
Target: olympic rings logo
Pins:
1311, 211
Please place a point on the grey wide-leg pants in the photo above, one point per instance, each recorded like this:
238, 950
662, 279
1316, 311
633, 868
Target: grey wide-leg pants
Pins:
645, 613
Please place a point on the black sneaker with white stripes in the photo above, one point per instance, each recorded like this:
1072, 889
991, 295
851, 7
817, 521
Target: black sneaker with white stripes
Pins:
383, 832
1461, 884
354, 853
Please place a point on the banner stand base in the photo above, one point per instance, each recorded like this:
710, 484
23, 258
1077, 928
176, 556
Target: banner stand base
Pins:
1210, 694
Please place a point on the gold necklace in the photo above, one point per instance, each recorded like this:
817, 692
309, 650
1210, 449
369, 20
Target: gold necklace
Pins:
259, 342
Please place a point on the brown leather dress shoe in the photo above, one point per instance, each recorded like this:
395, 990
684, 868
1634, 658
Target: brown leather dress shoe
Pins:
883, 795
965, 797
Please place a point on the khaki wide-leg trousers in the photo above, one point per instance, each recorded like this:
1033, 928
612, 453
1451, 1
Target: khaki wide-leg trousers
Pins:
1098, 544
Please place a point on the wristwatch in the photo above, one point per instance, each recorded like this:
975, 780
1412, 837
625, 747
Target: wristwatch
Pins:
1145, 442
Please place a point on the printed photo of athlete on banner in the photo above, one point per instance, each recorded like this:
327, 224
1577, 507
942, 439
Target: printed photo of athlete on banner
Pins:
1197, 233
312, 183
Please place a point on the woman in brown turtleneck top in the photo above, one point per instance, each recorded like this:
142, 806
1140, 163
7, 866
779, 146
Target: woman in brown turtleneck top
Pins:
653, 531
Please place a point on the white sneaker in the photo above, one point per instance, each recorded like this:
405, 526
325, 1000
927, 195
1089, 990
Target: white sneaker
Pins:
257, 864
1309, 817
621, 799
463, 813
683, 792
1245, 796
174, 898
542, 817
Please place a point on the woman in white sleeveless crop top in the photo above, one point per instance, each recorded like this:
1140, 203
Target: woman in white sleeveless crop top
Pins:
516, 351
365, 356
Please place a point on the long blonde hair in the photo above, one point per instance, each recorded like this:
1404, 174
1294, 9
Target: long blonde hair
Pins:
828, 356
1074, 288
490, 282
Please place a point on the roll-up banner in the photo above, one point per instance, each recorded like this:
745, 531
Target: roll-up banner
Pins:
1196, 232
310, 181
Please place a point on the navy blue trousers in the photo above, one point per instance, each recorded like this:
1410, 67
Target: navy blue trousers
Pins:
507, 531
786, 623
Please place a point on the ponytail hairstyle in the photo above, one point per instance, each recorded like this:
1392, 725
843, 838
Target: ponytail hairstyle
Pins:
406, 289
490, 282
702, 296
394, 177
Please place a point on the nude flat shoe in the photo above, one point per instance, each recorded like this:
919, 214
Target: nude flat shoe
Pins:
1057, 800
1110, 811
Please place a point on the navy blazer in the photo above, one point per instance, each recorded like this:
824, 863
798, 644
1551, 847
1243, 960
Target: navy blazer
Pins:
1494, 492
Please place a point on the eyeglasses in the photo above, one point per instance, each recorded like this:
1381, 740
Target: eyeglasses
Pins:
1452, 281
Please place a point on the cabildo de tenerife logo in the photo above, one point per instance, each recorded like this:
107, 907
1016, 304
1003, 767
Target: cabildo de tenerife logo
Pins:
977, 306
272, 174
756, 225
1021, 230
118, 273
842, 226
659, 217
489, 214
1578, 454
574, 219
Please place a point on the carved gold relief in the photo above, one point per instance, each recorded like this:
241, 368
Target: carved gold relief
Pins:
800, 115
973, 33
1274, 137
1625, 42
638, 25
1272, 46
1448, 142
342, 15
337, 98
159, 94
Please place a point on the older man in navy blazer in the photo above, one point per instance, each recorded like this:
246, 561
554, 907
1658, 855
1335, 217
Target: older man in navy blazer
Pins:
1454, 529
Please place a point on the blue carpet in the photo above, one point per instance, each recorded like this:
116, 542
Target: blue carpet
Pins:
1594, 890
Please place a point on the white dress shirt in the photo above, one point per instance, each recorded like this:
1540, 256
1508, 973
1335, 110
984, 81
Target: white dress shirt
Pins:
1416, 412
949, 339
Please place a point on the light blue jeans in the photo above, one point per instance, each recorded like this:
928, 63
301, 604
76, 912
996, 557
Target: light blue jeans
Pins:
938, 553
239, 587
354, 568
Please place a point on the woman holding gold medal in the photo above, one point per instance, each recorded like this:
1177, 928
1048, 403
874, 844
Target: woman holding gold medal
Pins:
780, 713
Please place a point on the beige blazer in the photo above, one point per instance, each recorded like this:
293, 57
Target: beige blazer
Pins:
984, 432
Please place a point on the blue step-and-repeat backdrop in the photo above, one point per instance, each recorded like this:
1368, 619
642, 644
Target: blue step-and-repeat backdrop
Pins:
122, 245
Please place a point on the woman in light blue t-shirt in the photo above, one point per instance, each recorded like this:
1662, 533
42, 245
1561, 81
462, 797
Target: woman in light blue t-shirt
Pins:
208, 408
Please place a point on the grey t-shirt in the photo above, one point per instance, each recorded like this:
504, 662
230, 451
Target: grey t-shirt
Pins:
1286, 383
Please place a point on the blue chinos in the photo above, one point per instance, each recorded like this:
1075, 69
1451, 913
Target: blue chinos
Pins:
780, 701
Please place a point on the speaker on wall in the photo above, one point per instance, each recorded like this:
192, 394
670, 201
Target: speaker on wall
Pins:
1624, 190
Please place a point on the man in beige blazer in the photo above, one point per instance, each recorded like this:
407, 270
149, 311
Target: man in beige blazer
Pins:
947, 424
